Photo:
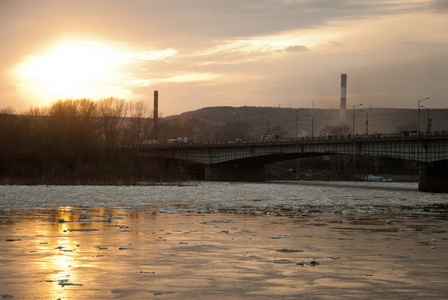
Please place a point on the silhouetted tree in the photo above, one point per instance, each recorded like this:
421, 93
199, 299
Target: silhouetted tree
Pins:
8, 127
138, 125
111, 113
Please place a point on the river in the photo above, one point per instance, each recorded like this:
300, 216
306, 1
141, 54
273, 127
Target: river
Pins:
219, 240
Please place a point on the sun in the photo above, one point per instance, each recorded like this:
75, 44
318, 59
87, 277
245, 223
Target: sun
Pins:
74, 69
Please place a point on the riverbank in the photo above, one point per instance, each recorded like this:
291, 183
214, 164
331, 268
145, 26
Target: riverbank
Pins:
179, 180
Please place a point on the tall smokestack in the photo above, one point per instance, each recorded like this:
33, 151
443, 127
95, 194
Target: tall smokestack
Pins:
156, 116
343, 96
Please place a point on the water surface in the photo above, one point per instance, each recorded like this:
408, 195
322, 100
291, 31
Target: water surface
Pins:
223, 240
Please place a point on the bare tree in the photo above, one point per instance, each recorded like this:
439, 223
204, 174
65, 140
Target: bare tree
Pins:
85, 135
138, 126
64, 133
8, 122
111, 112
37, 137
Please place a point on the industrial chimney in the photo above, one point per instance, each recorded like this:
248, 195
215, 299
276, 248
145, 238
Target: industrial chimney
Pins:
343, 96
156, 116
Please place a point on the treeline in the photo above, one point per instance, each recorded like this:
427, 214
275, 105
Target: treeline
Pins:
75, 141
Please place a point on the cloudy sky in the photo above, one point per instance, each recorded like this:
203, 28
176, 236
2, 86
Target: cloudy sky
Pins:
201, 53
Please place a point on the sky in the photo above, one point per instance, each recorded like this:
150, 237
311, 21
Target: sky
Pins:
203, 53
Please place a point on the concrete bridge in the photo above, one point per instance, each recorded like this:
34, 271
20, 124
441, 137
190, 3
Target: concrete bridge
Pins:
244, 161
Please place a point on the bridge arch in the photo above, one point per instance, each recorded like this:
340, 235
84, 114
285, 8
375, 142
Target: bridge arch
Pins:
257, 154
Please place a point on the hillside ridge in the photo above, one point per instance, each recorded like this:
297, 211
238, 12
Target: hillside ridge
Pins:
379, 120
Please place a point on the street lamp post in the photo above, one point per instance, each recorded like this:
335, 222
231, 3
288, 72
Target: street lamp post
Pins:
245, 130
312, 125
418, 116
367, 121
267, 121
245, 124
428, 126
354, 106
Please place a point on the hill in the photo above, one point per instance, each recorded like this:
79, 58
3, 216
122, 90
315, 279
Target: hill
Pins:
289, 121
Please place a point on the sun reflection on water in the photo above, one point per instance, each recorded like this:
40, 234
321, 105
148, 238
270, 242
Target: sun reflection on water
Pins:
61, 258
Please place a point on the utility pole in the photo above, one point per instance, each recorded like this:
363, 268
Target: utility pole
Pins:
418, 116
268, 123
354, 106
312, 125
367, 121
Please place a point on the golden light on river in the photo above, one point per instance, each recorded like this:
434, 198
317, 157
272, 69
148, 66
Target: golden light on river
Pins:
60, 255
103, 253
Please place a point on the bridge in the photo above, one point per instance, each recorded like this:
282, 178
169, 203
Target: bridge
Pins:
244, 161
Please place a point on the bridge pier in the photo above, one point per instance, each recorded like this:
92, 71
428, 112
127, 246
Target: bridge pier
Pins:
433, 178
237, 173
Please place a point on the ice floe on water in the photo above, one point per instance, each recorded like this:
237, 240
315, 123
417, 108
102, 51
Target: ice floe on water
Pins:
270, 197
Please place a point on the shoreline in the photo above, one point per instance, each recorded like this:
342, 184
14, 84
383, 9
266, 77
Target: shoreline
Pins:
277, 197
297, 177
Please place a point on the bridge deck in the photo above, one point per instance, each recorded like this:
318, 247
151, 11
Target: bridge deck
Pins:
426, 148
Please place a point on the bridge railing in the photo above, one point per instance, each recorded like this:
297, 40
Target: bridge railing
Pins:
410, 135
